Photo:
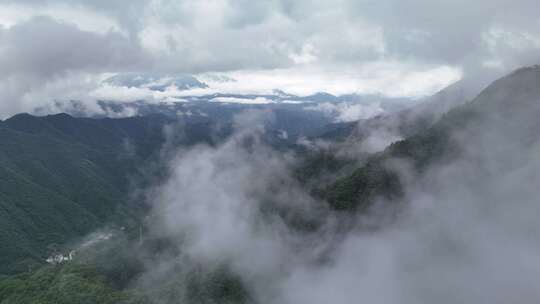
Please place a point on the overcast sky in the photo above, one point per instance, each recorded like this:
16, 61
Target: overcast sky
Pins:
61, 49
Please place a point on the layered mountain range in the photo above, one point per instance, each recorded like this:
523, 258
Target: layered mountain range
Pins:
63, 176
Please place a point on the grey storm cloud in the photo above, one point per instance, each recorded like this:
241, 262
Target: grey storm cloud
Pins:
458, 32
42, 46
39, 51
237, 34
126, 12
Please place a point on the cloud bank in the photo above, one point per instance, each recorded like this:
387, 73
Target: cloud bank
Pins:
467, 233
336, 46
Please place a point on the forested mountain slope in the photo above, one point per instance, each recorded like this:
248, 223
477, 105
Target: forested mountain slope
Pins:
61, 177
508, 108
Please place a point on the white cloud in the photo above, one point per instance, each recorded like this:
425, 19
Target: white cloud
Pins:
391, 79
347, 112
258, 100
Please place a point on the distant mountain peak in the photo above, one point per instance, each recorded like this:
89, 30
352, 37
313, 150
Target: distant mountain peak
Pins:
20, 116
155, 82
282, 94
61, 116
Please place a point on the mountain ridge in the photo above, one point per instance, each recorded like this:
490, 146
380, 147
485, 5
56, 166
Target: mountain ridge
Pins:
59, 182
375, 180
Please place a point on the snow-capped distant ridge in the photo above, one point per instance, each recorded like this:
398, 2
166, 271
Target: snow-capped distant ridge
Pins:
153, 87
155, 82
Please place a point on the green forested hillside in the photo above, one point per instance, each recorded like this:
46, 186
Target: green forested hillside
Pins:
510, 106
61, 177
61, 284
